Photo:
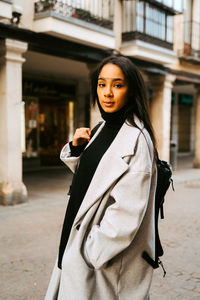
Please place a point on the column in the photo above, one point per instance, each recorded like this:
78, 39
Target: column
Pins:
12, 189
117, 23
161, 112
196, 163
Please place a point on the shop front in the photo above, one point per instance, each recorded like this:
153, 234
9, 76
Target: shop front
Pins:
48, 121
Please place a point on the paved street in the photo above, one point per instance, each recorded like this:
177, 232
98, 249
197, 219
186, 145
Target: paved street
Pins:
30, 234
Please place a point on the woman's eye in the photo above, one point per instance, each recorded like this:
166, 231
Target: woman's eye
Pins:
101, 84
118, 85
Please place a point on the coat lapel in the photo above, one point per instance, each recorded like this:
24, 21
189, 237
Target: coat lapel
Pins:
111, 166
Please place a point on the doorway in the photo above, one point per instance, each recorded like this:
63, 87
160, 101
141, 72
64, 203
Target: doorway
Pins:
184, 123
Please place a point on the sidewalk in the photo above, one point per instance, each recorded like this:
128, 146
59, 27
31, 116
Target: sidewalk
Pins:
185, 172
30, 235
179, 233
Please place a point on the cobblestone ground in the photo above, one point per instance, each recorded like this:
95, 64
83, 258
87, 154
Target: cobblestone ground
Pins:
30, 234
179, 233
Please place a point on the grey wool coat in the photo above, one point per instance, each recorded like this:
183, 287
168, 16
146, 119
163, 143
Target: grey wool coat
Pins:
114, 225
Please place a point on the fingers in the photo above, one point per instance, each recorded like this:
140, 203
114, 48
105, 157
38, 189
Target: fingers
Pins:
83, 133
88, 131
81, 136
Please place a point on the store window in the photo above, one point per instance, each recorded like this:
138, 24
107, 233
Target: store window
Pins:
185, 102
31, 128
49, 120
23, 131
55, 128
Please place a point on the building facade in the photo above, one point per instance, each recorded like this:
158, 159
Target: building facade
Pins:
48, 49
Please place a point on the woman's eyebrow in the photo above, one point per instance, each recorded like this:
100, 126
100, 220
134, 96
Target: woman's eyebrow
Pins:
114, 79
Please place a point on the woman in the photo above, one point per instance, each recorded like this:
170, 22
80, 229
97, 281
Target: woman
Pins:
109, 220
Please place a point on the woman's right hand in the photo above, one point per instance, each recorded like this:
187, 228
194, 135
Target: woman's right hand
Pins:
81, 136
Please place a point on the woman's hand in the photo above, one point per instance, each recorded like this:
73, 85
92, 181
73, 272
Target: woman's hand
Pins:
81, 136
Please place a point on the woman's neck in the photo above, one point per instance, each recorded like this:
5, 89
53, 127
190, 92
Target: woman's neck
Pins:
116, 118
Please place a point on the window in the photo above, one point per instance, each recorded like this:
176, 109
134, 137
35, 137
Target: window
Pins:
31, 127
168, 3
177, 5
187, 16
154, 22
169, 37
140, 16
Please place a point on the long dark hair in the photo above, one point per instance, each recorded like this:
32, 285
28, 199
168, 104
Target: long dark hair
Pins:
137, 93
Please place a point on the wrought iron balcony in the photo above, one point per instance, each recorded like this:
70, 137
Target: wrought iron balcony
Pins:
96, 12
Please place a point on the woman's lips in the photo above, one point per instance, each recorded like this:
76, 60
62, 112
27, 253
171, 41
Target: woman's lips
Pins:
108, 103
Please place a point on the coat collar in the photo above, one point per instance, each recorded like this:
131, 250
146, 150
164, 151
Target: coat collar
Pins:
113, 164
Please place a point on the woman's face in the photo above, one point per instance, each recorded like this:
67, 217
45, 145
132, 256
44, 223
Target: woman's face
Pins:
112, 89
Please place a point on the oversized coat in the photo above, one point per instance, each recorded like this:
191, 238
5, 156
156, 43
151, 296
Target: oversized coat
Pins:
114, 225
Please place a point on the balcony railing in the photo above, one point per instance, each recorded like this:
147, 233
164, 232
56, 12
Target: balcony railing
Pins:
96, 12
191, 47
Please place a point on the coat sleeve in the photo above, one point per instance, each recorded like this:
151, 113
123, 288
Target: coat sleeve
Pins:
67, 157
123, 218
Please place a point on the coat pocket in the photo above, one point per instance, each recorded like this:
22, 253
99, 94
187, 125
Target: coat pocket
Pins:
104, 203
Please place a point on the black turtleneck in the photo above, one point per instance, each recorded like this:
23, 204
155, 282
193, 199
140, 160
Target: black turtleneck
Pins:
89, 161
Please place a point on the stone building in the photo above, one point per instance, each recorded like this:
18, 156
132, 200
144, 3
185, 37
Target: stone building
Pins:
48, 49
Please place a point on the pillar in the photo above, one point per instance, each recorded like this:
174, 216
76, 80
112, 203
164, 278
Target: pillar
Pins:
161, 112
196, 163
12, 189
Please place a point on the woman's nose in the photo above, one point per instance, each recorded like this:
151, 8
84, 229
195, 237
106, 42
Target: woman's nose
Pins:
108, 93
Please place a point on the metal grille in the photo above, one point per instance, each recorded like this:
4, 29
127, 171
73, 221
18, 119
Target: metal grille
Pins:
99, 12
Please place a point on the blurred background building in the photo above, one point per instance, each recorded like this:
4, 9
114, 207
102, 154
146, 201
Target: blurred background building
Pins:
48, 49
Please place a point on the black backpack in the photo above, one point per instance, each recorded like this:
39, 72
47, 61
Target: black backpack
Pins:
164, 179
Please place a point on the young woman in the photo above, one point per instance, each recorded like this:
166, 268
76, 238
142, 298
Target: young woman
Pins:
109, 220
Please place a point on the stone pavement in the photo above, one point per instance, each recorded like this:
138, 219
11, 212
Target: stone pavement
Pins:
30, 233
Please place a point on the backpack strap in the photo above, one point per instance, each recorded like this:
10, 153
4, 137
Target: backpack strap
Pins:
158, 206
